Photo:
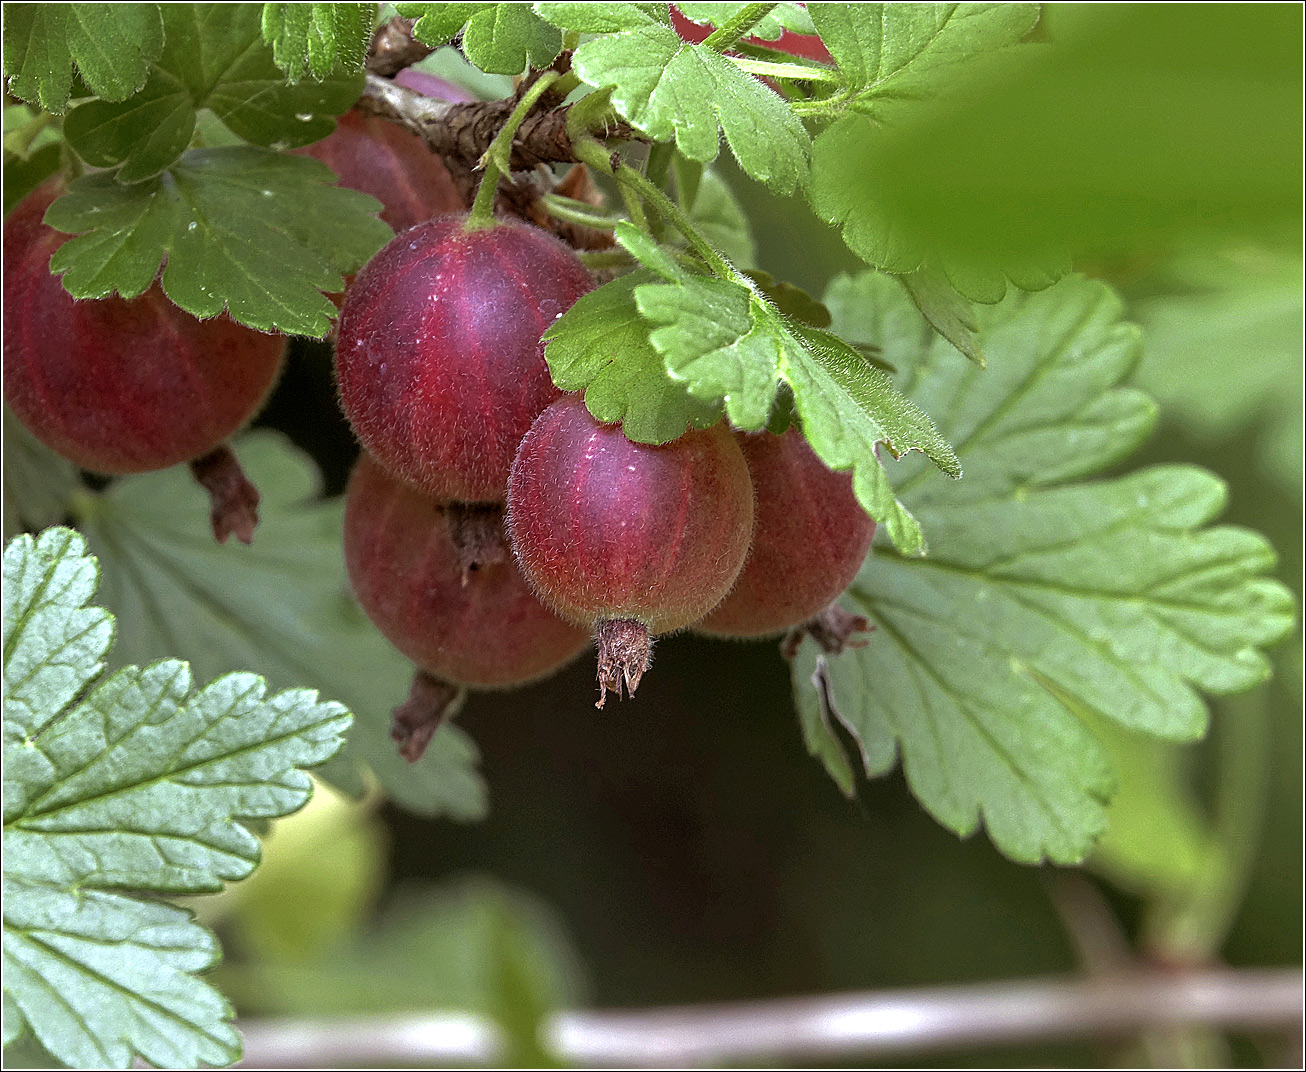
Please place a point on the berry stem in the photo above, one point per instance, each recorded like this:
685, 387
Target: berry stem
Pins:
431, 702
735, 27
497, 157
476, 530
234, 499
625, 652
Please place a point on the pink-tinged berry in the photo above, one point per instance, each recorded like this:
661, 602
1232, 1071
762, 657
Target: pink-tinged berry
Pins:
810, 537
380, 158
626, 538
438, 353
449, 597
121, 386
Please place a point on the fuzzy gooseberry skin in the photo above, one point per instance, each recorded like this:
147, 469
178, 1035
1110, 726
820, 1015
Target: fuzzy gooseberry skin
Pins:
438, 354
380, 158
120, 386
607, 529
490, 632
810, 537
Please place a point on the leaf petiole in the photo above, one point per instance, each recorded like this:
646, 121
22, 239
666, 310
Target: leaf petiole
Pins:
800, 71
498, 156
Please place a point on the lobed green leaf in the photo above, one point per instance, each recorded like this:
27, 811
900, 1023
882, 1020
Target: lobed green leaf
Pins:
316, 39
111, 47
280, 608
908, 49
604, 350
671, 90
498, 38
1037, 593
782, 17
214, 58
257, 233
142, 784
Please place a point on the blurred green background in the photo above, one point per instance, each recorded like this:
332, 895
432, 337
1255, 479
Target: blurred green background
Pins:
683, 847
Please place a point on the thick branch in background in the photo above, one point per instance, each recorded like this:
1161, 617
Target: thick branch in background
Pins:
833, 1025
464, 131
394, 48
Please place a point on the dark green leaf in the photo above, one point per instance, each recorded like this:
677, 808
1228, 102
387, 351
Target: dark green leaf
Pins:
720, 219
727, 343
793, 301
138, 786
214, 58
601, 346
280, 608
316, 39
259, 233
1110, 593
848, 188
23, 175
499, 38
111, 46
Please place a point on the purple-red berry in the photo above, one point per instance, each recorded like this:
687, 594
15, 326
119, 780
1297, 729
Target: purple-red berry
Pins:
381, 158
438, 353
626, 538
120, 386
810, 537
444, 589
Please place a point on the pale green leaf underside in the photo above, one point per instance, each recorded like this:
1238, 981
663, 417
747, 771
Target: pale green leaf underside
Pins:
1110, 593
280, 607
138, 786
260, 234
111, 46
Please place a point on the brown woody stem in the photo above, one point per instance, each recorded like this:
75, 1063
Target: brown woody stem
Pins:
463, 132
394, 48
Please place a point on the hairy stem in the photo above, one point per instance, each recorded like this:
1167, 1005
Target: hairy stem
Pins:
629, 177
735, 27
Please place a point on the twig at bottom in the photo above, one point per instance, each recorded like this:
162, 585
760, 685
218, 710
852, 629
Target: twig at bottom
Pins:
873, 1022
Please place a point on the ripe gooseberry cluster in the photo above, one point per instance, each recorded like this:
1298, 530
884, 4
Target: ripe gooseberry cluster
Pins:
127, 386
442, 375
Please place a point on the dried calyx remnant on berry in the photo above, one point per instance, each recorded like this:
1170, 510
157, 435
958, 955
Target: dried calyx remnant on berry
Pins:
810, 537
128, 386
628, 539
462, 613
438, 353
